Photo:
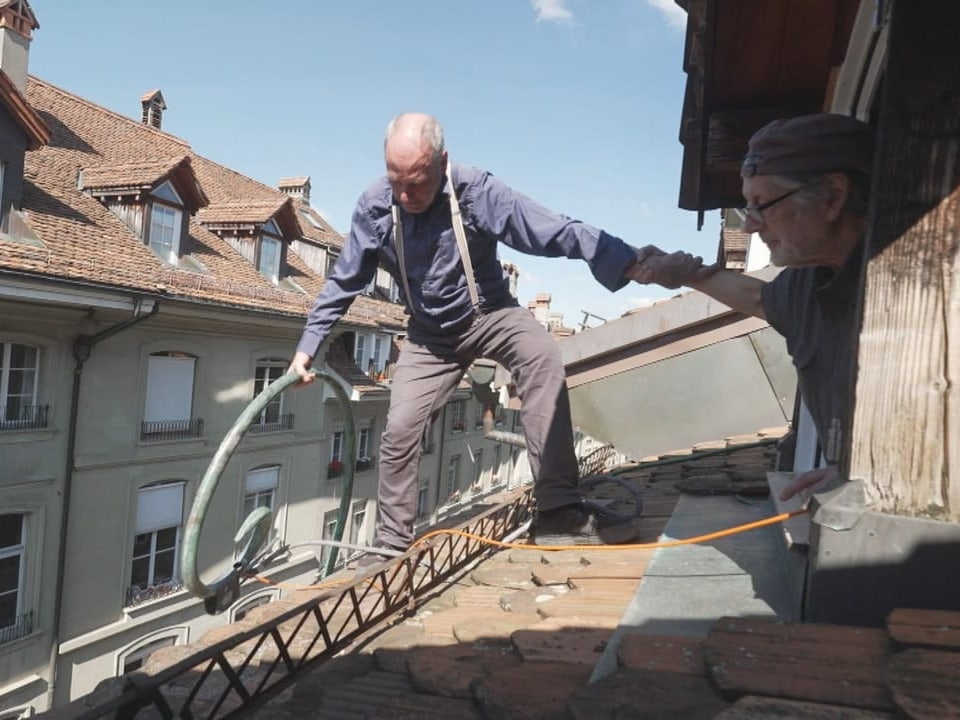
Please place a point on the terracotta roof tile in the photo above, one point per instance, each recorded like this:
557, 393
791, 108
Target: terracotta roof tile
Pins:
145, 174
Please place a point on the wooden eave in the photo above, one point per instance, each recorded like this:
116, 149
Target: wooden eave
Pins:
37, 132
749, 62
143, 178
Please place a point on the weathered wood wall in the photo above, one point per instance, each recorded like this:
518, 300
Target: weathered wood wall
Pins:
905, 441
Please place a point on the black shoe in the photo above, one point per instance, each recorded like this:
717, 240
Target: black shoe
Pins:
372, 558
574, 525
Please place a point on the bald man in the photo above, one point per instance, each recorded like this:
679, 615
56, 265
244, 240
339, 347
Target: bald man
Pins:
460, 309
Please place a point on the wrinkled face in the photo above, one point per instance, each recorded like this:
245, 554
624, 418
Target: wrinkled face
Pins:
796, 231
415, 177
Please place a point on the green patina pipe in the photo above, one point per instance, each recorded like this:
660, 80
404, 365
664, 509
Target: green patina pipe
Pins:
255, 529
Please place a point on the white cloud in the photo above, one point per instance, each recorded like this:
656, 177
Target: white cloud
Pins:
645, 210
552, 11
672, 13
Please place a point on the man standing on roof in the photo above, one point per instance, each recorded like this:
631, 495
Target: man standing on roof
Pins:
806, 182
457, 296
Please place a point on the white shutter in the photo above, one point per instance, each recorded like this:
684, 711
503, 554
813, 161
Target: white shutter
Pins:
159, 506
169, 388
262, 479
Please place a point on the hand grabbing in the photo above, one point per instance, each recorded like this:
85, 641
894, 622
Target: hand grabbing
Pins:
301, 366
669, 270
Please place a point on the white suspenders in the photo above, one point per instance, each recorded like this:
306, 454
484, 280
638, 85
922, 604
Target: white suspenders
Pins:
461, 235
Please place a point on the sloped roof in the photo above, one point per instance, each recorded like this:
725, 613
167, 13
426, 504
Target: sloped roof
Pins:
83, 241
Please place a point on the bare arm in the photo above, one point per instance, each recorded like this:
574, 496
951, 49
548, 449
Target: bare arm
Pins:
741, 292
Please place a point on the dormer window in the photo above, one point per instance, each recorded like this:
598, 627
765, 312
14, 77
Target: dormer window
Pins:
164, 235
166, 218
270, 253
152, 198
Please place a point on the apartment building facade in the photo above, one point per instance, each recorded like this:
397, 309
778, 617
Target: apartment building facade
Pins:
147, 294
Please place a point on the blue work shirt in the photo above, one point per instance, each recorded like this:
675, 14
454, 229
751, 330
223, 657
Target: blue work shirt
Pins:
492, 212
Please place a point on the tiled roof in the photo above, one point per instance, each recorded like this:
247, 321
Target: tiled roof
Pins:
235, 213
145, 174
83, 241
519, 634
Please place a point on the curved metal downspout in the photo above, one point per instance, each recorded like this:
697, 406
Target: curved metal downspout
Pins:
82, 347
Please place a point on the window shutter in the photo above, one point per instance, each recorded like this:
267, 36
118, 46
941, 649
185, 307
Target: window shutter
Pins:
159, 506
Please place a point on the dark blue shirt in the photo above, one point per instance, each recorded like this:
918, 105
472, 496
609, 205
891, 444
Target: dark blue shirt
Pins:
492, 212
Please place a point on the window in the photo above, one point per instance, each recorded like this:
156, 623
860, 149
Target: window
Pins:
422, 498
329, 531
259, 489
457, 412
169, 408
359, 349
336, 447
156, 543
335, 468
19, 369
358, 513
453, 477
164, 237
15, 622
134, 659
272, 417
377, 355
269, 261
363, 444
244, 607
497, 462
477, 471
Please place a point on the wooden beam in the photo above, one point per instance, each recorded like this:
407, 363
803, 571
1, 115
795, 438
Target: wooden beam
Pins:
905, 441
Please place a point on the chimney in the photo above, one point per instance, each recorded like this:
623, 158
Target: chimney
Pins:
153, 106
17, 23
297, 188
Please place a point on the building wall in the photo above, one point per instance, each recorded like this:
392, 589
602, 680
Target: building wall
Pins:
31, 482
101, 628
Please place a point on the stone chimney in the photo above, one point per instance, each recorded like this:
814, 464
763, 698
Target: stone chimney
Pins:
153, 106
296, 187
17, 23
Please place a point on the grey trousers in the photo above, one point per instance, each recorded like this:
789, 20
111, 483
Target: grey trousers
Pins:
427, 372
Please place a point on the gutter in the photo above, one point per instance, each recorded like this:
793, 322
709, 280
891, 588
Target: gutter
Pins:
82, 347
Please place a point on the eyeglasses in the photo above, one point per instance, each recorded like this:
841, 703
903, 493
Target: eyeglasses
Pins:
756, 213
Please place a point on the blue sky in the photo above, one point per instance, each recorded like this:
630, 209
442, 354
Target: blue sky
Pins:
575, 103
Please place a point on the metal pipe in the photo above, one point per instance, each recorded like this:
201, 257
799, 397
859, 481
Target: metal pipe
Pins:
82, 347
255, 529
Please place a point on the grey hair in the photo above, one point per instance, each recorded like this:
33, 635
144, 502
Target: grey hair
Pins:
431, 134
857, 198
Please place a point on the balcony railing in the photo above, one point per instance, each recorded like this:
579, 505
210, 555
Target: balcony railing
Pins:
22, 627
25, 417
137, 594
283, 422
154, 431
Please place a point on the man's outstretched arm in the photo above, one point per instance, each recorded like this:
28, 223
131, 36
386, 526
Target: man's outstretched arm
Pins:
740, 292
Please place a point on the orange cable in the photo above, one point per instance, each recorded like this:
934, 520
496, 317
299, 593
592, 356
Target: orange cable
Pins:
556, 548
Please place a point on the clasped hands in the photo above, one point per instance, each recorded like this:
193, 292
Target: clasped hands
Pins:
671, 270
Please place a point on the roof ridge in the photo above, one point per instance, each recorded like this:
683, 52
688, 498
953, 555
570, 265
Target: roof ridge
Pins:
114, 113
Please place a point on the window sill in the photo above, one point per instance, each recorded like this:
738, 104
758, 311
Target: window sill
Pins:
26, 435
178, 441
21, 642
157, 604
